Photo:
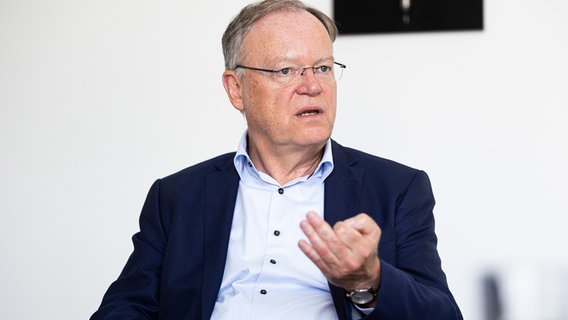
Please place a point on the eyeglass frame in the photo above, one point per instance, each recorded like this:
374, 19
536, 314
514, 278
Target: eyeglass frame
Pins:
274, 72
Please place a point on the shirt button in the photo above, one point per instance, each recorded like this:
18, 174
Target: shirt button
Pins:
263, 291
276, 233
272, 261
280, 190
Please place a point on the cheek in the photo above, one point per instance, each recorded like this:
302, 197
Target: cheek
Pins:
263, 101
259, 109
331, 101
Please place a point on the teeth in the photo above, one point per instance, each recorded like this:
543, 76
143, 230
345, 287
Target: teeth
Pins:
308, 113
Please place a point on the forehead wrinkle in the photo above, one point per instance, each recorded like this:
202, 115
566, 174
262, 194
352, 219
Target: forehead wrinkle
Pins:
292, 60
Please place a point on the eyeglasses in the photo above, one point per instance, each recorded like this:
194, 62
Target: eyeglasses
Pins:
291, 75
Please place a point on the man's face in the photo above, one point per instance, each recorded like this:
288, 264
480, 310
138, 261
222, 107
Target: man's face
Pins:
297, 115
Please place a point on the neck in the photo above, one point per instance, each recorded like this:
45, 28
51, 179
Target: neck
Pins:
286, 164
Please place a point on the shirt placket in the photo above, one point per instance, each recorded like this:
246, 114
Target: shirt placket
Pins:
276, 238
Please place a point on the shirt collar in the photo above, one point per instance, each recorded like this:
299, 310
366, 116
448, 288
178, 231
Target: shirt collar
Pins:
246, 169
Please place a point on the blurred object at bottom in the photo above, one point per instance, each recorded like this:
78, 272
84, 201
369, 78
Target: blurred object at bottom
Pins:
525, 292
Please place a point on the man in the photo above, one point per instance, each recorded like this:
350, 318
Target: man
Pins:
248, 235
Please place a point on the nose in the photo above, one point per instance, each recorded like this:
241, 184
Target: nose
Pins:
309, 83
304, 70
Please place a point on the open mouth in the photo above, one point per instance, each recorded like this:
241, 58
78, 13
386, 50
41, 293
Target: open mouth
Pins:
308, 113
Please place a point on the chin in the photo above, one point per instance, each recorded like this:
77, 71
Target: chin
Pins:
319, 138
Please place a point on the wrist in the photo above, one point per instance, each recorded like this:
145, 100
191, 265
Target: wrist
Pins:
363, 298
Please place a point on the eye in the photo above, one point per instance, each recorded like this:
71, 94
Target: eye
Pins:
323, 69
285, 72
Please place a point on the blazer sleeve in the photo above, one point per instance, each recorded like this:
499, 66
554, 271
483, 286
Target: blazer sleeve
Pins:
135, 294
413, 285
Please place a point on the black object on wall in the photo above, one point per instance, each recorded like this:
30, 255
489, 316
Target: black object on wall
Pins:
385, 16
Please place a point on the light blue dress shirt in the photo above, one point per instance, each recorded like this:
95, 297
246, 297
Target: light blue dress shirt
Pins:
266, 275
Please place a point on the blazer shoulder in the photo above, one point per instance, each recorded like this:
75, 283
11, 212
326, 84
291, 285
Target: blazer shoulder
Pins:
216, 164
371, 163
193, 176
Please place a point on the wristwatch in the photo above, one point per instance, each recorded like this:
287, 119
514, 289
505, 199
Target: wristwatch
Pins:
362, 296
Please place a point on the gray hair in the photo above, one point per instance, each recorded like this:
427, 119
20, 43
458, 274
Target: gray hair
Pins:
239, 27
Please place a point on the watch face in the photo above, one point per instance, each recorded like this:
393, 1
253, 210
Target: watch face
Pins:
362, 297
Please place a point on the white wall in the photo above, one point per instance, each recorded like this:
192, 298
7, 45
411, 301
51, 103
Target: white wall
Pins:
99, 98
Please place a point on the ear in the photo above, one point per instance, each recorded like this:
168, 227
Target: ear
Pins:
232, 84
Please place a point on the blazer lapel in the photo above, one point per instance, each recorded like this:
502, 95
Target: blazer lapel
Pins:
220, 195
341, 200
342, 187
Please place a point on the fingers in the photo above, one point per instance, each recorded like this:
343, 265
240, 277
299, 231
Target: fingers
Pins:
349, 233
364, 224
324, 247
347, 253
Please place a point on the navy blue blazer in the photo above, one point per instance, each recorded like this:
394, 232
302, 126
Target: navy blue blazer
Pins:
176, 268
